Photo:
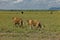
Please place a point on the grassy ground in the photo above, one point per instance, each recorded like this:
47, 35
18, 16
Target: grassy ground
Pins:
51, 31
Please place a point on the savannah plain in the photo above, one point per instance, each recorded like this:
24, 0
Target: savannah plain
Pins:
51, 20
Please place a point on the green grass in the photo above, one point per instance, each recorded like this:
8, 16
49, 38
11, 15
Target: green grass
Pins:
51, 31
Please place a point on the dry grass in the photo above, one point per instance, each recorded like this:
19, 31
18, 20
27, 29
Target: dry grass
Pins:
51, 31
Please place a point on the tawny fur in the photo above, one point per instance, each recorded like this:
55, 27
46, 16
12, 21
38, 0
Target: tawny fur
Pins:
17, 21
34, 23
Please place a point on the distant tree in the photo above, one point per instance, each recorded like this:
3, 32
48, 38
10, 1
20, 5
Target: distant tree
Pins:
22, 12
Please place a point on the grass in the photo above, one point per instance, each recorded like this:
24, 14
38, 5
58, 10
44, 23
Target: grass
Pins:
51, 31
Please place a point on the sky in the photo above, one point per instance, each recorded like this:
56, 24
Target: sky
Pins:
29, 4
